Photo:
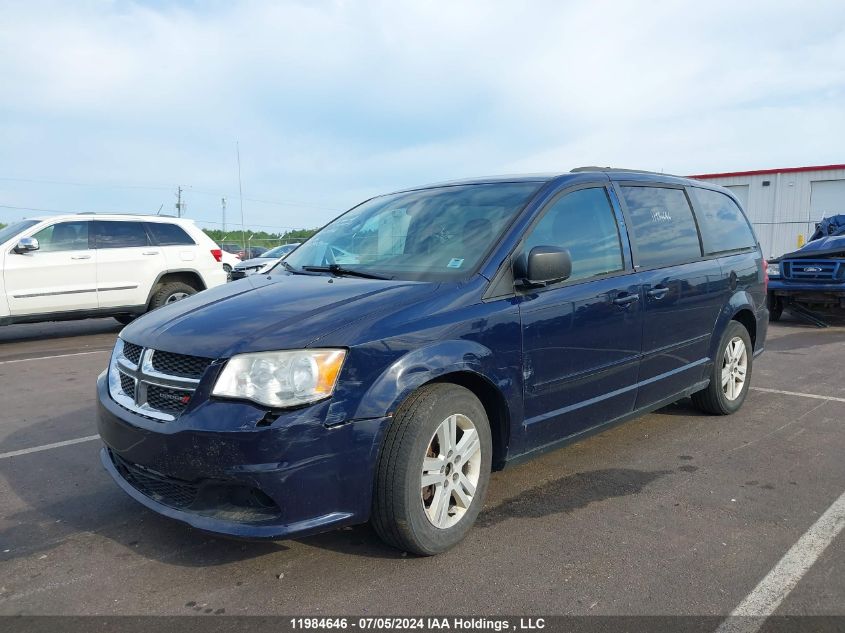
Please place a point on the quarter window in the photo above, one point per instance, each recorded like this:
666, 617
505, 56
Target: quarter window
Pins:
166, 234
63, 236
663, 226
120, 234
582, 222
723, 226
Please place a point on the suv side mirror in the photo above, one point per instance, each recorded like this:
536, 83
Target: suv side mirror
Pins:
544, 265
26, 245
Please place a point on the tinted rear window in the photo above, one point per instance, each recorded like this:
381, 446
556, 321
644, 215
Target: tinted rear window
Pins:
723, 226
120, 234
168, 234
663, 226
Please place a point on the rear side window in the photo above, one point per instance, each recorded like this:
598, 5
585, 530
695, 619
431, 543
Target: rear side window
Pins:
583, 222
663, 226
168, 234
723, 226
120, 234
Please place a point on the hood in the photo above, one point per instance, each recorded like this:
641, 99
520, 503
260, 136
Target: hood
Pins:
823, 247
261, 313
255, 261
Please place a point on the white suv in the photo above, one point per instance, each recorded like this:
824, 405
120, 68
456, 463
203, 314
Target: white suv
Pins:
79, 266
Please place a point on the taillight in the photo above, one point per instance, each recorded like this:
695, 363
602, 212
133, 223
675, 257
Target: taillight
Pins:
217, 254
765, 275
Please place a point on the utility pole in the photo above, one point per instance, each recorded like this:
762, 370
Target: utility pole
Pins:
241, 193
223, 206
179, 205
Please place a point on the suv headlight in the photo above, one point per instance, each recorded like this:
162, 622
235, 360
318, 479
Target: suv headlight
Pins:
773, 270
281, 379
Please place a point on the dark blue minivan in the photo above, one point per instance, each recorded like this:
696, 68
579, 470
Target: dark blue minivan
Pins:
426, 337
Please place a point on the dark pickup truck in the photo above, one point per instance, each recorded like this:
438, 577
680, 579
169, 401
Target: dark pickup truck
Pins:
813, 277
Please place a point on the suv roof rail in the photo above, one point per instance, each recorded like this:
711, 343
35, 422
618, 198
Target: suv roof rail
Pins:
620, 170
145, 215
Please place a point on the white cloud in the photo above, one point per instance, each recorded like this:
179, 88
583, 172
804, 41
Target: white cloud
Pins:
337, 100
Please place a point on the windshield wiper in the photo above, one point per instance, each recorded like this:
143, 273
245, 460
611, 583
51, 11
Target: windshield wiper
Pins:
339, 270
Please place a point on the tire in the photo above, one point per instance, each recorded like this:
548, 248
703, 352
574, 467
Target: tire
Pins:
715, 398
125, 319
171, 292
775, 307
401, 506
227, 269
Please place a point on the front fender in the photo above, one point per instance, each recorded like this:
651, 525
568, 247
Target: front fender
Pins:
421, 366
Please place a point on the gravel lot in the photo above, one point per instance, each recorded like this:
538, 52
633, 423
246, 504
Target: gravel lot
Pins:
673, 513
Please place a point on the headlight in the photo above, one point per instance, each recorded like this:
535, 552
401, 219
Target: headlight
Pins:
773, 270
281, 379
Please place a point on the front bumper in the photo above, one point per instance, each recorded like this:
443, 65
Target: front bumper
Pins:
832, 293
218, 469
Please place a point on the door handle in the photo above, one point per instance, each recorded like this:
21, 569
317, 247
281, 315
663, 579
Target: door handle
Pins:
626, 299
658, 293
80, 257
150, 253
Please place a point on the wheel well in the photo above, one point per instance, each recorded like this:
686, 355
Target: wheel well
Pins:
746, 317
187, 277
494, 404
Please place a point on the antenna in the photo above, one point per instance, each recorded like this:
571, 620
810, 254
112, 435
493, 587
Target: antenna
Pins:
159, 209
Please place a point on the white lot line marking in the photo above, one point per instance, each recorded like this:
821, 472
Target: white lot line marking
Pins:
26, 360
764, 600
47, 447
798, 393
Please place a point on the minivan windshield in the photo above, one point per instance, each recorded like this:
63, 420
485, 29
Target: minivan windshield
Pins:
430, 234
10, 231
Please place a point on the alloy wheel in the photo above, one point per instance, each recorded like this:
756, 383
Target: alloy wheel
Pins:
450, 471
734, 368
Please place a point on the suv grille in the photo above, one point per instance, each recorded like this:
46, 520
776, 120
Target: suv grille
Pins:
155, 384
813, 270
180, 364
170, 492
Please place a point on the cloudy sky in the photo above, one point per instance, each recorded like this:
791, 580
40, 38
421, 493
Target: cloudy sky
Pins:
111, 105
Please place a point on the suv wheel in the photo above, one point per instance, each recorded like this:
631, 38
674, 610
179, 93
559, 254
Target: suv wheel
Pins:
171, 293
731, 374
433, 471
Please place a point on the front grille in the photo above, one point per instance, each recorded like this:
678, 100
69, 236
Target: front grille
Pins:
171, 401
812, 270
180, 364
170, 492
127, 383
132, 352
153, 383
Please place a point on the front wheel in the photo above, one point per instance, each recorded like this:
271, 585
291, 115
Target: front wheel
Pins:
775, 307
731, 374
433, 470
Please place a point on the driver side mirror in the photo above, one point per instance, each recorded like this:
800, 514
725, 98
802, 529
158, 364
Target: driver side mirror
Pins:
542, 266
26, 245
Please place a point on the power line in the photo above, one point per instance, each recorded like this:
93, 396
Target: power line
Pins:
77, 211
203, 192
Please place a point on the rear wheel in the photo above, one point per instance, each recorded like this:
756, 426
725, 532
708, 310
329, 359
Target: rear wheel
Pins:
731, 374
171, 292
433, 471
227, 269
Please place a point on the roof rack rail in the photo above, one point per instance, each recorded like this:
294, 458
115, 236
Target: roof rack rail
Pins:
620, 170
151, 215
